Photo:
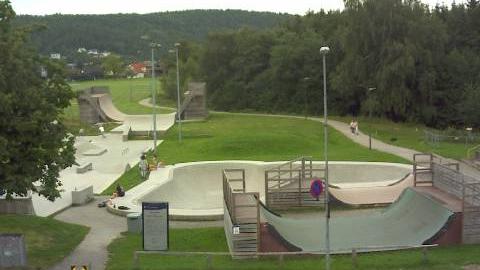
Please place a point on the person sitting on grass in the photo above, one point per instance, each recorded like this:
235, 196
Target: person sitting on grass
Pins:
119, 192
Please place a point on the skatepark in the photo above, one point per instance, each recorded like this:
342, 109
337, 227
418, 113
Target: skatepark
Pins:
194, 190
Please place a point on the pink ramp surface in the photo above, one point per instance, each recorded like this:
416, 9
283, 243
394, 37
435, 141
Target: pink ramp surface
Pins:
372, 195
106, 105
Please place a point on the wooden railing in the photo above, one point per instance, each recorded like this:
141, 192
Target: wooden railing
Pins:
210, 262
288, 185
422, 168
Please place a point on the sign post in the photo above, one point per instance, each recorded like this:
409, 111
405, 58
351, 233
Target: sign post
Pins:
155, 226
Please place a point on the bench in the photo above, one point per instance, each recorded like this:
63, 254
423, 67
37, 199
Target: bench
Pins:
84, 167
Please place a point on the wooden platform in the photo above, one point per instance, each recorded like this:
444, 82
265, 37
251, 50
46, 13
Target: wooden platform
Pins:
447, 200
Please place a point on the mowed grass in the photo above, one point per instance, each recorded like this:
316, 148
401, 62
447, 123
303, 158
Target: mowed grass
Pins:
213, 240
225, 136
126, 93
47, 240
409, 135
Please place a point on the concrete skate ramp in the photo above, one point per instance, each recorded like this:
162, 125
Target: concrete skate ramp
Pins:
196, 187
372, 195
109, 109
411, 220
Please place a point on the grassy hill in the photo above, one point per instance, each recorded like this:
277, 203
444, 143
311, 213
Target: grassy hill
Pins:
120, 33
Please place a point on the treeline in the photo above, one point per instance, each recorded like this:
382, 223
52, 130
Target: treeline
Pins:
389, 58
121, 33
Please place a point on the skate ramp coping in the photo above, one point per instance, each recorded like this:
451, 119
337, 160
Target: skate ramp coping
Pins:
411, 221
372, 194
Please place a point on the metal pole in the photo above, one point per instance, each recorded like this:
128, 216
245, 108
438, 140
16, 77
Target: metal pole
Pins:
178, 99
325, 139
154, 103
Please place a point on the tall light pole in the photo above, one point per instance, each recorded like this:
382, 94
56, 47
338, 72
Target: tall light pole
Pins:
154, 46
177, 45
179, 119
324, 51
306, 79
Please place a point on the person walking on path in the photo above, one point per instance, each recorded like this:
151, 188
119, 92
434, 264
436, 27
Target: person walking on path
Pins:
143, 166
102, 131
352, 126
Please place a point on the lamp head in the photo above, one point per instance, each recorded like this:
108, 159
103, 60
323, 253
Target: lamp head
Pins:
177, 45
154, 45
324, 50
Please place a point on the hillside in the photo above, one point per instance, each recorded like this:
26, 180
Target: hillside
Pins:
120, 33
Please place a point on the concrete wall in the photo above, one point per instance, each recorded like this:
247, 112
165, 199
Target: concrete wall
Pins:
21, 206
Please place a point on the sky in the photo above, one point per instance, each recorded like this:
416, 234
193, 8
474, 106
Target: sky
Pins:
43, 7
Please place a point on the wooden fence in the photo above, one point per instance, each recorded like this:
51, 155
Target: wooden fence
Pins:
467, 189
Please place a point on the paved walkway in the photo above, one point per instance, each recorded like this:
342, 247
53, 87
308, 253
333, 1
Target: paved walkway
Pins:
363, 139
104, 227
406, 153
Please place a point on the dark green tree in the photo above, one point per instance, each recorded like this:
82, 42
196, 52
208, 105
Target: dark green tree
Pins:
34, 145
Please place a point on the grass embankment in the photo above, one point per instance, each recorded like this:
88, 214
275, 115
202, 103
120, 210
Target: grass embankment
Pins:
47, 240
213, 240
245, 137
408, 135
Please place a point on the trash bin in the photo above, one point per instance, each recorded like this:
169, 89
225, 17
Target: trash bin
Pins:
134, 222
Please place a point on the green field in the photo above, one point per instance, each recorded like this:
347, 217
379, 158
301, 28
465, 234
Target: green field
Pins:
408, 135
213, 240
47, 240
225, 136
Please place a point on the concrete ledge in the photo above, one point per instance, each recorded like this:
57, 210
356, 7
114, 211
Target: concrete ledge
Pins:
82, 195
85, 167
18, 206
95, 152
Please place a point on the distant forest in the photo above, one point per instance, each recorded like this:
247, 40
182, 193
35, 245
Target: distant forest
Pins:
390, 58
120, 33
396, 59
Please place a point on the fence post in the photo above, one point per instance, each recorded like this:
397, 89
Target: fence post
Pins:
209, 261
354, 258
370, 141
136, 263
424, 253
280, 260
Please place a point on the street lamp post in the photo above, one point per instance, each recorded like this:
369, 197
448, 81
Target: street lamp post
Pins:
306, 79
324, 51
179, 119
154, 46
370, 89
178, 96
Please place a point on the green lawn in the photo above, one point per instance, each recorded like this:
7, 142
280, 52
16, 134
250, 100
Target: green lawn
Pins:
213, 240
225, 136
408, 135
47, 240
